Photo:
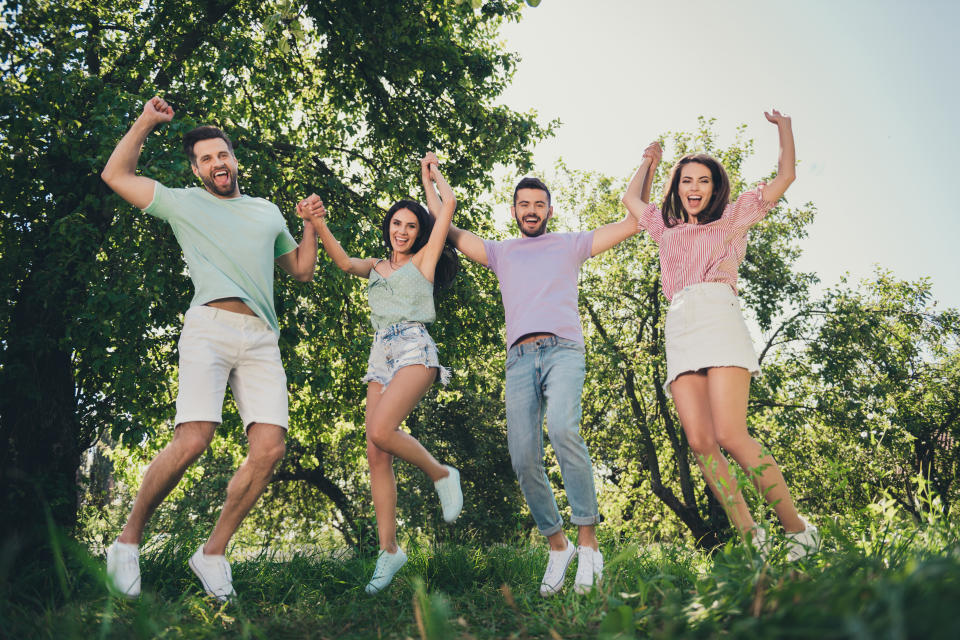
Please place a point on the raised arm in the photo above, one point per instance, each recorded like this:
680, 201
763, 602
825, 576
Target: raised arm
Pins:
786, 164
638, 191
467, 243
443, 206
312, 210
302, 261
120, 174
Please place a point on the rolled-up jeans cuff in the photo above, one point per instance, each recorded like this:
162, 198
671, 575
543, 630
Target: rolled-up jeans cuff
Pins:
584, 520
552, 530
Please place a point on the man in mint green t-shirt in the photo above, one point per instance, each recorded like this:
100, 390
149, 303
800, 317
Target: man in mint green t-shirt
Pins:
230, 243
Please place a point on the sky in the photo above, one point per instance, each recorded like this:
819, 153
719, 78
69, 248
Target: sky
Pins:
871, 86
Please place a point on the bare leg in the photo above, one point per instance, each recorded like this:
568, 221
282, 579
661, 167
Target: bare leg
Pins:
383, 484
587, 536
690, 394
558, 541
729, 389
190, 439
403, 393
385, 412
246, 486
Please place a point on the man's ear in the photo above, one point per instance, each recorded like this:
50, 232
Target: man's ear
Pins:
549, 213
193, 167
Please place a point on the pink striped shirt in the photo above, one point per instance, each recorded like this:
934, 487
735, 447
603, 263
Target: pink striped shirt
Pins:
695, 253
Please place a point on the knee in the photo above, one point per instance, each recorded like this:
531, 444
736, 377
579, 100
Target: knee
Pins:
190, 445
377, 457
702, 444
378, 436
268, 455
735, 442
566, 438
525, 462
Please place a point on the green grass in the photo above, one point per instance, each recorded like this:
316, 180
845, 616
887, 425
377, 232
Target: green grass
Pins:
883, 582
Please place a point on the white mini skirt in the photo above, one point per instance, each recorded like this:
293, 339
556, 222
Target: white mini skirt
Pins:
705, 328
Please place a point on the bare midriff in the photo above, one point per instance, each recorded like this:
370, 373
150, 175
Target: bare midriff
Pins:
532, 337
235, 305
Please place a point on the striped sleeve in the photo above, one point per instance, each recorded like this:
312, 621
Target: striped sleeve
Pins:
651, 220
749, 209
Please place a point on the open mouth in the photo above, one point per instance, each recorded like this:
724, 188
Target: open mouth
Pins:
221, 177
531, 220
694, 201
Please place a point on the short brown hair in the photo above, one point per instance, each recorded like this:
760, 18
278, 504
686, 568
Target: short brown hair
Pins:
205, 132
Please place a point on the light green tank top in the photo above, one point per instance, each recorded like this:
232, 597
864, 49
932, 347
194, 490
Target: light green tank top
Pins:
403, 296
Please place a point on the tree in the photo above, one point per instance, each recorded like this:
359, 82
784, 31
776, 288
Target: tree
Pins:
334, 97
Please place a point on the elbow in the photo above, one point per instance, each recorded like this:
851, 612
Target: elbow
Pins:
107, 176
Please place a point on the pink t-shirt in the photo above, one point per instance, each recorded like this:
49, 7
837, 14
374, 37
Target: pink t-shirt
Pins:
538, 282
695, 253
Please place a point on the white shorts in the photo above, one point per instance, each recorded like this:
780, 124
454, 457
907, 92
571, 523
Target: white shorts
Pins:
705, 328
217, 347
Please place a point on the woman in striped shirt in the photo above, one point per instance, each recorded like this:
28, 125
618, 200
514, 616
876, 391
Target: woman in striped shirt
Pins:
702, 239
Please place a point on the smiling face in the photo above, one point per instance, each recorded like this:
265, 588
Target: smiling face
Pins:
531, 210
695, 188
403, 231
216, 166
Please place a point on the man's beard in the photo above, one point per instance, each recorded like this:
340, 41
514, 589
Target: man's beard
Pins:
229, 190
539, 231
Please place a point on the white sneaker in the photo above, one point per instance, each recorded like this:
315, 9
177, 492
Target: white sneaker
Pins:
387, 566
451, 496
589, 569
802, 543
123, 568
761, 542
214, 574
557, 570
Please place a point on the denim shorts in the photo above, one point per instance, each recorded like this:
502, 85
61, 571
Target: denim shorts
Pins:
401, 345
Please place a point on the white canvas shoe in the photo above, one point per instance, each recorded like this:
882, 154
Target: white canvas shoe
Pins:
761, 542
123, 569
802, 543
451, 496
387, 566
214, 573
589, 569
557, 570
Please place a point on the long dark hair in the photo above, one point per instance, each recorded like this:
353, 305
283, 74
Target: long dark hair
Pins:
447, 265
673, 211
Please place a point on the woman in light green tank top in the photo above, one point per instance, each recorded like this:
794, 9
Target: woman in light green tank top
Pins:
403, 361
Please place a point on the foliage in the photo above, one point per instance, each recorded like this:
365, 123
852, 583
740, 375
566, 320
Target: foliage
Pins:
339, 98
881, 574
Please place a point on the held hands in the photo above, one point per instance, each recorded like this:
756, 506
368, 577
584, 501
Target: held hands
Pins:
777, 118
653, 152
311, 209
156, 110
429, 164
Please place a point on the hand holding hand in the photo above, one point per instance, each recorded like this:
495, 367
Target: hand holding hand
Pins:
156, 110
311, 208
654, 152
428, 161
777, 118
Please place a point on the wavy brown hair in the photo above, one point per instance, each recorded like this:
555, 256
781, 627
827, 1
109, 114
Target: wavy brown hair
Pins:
673, 211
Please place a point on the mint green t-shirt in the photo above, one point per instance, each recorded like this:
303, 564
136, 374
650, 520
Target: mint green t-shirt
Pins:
229, 245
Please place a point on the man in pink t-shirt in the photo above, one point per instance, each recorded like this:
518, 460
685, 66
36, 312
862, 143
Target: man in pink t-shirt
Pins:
538, 275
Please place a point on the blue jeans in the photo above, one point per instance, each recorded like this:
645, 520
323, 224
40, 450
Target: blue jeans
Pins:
546, 376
